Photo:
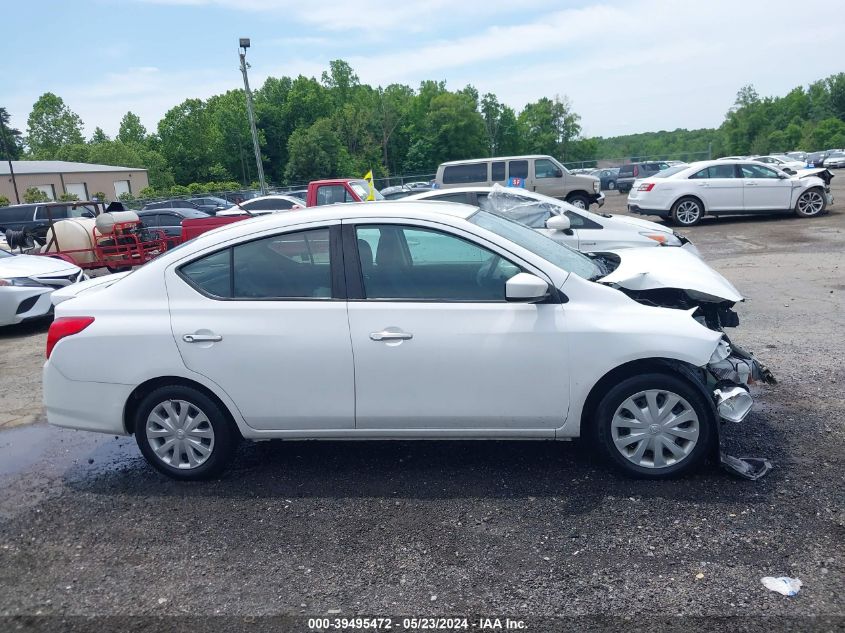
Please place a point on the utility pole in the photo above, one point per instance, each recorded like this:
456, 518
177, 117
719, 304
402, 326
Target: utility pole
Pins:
8, 153
244, 44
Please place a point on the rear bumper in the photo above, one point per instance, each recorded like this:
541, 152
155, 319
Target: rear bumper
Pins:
88, 406
635, 208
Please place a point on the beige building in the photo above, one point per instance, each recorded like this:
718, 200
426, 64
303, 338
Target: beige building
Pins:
55, 177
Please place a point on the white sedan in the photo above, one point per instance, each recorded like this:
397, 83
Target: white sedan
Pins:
265, 204
785, 163
836, 160
587, 231
26, 283
719, 187
400, 320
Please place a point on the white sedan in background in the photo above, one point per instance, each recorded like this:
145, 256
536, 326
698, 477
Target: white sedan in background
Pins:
401, 320
265, 204
785, 163
26, 283
587, 231
836, 160
719, 187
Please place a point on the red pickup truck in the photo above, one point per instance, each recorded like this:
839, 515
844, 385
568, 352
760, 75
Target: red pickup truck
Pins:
320, 192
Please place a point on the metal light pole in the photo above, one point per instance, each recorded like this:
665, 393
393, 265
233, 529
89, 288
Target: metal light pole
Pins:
244, 44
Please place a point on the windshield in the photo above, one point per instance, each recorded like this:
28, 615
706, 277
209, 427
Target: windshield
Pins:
670, 171
362, 188
561, 256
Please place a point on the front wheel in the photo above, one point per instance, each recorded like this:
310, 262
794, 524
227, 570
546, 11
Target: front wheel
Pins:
687, 212
810, 203
579, 201
654, 426
611, 185
184, 434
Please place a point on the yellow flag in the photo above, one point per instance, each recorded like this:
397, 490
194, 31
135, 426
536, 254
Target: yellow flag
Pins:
369, 178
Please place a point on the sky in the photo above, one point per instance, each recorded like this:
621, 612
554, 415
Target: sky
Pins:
627, 66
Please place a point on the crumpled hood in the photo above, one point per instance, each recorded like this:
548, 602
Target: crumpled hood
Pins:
658, 268
90, 285
34, 266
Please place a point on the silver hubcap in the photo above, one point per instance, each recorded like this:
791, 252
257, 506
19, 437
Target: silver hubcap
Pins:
180, 434
655, 429
579, 204
810, 203
688, 212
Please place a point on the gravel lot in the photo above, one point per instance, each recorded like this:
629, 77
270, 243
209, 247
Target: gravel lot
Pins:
449, 528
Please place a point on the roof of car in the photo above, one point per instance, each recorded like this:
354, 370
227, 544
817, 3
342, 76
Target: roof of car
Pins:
497, 158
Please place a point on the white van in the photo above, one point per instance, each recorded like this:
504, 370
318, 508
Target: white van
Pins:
539, 173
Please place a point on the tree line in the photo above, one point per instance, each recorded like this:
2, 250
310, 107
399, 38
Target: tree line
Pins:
337, 126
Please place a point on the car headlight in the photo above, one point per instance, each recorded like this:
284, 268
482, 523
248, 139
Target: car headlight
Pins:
20, 281
666, 239
596, 186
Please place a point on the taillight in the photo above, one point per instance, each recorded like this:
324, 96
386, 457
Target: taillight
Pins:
636, 171
65, 326
646, 186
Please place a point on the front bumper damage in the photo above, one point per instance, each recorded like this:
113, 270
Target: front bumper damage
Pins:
730, 373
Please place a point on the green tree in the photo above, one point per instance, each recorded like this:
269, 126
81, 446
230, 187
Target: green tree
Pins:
187, 140
34, 194
233, 148
99, 136
454, 128
549, 126
314, 153
11, 139
4, 201
131, 129
392, 108
52, 125
68, 197
99, 195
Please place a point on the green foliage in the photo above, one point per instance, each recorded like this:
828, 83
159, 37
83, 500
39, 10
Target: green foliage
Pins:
99, 136
131, 130
52, 125
196, 187
100, 195
4, 201
11, 139
68, 197
549, 127
314, 153
148, 192
34, 194
126, 197
179, 190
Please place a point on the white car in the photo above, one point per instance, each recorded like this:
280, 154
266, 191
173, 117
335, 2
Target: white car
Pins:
401, 320
718, 187
835, 161
784, 163
588, 232
26, 283
265, 204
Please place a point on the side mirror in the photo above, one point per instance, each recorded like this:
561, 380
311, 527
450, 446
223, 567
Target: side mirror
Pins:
526, 287
558, 223
782, 176
558, 173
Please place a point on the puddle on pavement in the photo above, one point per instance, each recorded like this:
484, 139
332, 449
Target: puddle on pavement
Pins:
22, 447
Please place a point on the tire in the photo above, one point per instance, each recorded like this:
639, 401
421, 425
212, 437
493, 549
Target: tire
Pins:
579, 200
687, 211
683, 446
810, 203
118, 269
203, 452
611, 185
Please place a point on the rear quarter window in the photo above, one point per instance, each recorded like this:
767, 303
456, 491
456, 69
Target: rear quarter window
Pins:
457, 174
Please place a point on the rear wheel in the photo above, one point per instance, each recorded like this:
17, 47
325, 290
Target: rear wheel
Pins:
184, 434
579, 200
654, 426
810, 203
687, 212
611, 185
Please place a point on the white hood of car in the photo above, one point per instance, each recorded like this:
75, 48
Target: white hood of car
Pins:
34, 266
654, 268
645, 225
91, 285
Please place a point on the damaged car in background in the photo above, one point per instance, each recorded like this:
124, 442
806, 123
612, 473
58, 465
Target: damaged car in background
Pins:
411, 320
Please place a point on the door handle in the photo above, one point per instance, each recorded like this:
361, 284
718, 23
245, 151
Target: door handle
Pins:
202, 338
703, 184
750, 183
386, 335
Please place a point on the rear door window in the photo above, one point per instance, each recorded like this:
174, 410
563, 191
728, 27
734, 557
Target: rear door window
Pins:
472, 172
497, 171
518, 169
